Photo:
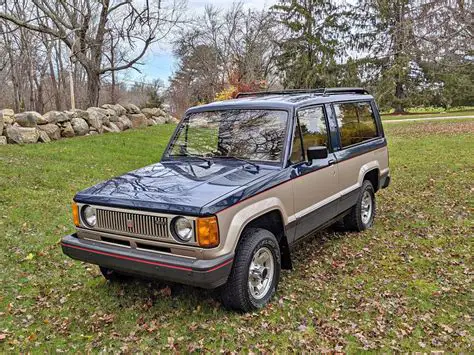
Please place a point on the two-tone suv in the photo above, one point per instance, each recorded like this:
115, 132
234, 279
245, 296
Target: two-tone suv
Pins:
240, 183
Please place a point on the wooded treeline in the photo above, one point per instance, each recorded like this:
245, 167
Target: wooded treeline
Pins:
47, 45
407, 52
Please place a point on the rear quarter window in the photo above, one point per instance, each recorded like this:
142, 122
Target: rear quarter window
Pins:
356, 121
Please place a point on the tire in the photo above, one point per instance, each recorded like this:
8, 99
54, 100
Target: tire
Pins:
362, 214
113, 275
258, 247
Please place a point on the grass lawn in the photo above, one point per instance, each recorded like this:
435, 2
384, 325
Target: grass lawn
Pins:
404, 285
386, 117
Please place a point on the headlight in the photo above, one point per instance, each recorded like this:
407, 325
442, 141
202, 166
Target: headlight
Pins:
89, 216
182, 229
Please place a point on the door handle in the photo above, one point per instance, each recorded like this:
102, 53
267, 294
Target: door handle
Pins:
331, 162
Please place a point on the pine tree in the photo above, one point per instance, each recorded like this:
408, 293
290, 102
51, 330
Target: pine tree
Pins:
313, 43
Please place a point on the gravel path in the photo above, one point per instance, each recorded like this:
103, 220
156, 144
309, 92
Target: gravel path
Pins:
426, 119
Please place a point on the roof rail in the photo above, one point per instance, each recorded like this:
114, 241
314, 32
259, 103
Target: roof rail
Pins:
319, 91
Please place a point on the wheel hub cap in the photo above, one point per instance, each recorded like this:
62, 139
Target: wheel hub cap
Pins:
367, 207
261, 273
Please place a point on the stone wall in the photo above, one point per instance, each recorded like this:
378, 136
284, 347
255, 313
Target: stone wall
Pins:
32, 127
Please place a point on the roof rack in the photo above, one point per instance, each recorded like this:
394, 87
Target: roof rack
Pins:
319, 91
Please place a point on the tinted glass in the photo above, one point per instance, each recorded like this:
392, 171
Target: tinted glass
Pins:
313, 131
356, 122
246, 134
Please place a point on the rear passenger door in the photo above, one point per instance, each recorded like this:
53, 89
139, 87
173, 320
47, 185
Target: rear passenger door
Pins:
315, 184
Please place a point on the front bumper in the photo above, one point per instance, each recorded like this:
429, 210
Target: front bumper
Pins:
200, 273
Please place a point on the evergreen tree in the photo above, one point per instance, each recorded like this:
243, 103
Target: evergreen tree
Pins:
313, 44
414, 47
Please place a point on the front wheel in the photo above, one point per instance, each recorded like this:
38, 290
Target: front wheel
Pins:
256, 272
361, 216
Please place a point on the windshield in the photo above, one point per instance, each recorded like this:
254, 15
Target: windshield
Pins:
246, 134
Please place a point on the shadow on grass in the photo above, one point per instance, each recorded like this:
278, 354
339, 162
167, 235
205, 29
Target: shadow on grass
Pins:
153, 292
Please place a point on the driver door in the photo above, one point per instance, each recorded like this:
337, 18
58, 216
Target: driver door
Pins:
315, 183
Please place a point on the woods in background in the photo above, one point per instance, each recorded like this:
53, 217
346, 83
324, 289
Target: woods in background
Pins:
48, 44
406, 52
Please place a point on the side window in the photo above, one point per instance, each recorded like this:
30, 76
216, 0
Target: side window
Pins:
313, 130
356, 122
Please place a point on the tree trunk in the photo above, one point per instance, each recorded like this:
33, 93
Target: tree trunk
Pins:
54, 84
399, 94
93, 87
112, 64
399, 52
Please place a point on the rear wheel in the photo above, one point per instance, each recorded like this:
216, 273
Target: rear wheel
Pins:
361, 216
256, 272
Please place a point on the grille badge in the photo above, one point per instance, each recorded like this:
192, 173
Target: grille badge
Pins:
130, 224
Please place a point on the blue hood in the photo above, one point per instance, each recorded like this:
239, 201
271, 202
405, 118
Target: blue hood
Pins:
181, 187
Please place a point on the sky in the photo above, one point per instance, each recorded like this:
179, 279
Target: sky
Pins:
159, 61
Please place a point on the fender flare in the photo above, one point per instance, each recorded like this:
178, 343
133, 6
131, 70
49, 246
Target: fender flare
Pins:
247, 214
372, 165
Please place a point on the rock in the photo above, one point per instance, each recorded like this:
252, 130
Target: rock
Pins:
125, 121
112, 116
171, 119
113, 127
98, 116
132, 109
77, 113
150, 112
138, 120
150, 122
22, 135
119, 109
29, 119
1, 123
53, 131
106, 129
56, 117
80, 126
93, 133
8, 115
8, 112
3, 140
95, 118
67, 131
159, 120
119, 125
43, 137
70, 114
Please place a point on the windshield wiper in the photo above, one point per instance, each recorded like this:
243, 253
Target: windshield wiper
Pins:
208, 161
242, 160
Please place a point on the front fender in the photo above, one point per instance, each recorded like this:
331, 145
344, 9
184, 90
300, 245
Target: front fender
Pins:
249, 213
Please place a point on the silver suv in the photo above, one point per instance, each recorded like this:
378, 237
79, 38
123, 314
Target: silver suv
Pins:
240, 183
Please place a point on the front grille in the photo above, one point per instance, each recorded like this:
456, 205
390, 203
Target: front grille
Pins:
132, 223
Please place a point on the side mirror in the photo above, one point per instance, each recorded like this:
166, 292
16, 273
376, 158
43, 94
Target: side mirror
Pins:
320, 152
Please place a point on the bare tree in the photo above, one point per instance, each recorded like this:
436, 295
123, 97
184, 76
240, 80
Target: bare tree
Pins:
221, 47
85, 26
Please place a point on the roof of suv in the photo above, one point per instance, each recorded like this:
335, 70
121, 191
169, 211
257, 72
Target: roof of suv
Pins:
289, 99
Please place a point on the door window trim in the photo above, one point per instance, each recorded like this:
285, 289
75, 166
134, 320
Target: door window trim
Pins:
297, 121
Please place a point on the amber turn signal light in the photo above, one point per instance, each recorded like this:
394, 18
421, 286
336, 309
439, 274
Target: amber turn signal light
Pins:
207, 232
75, 214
